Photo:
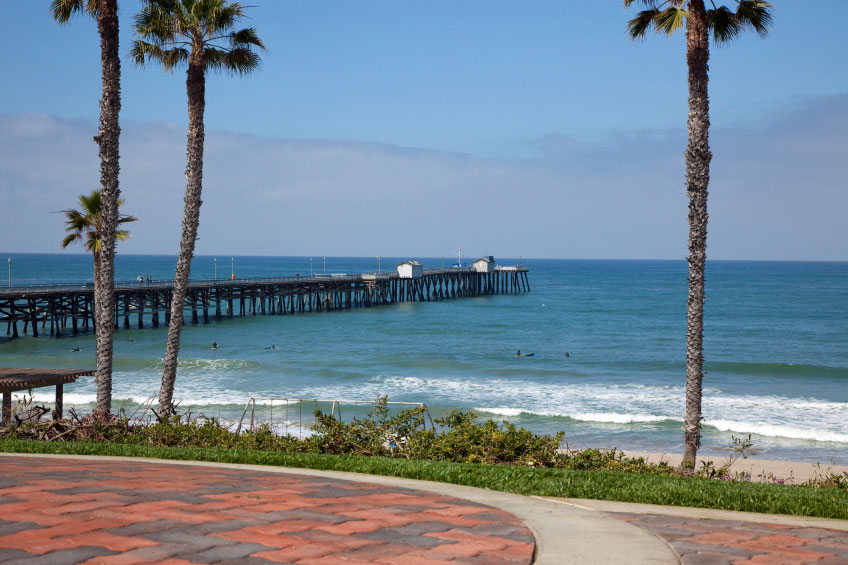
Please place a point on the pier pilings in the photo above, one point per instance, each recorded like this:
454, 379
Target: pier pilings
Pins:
69, 309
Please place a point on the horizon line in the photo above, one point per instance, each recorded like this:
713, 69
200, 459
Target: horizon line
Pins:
436, 257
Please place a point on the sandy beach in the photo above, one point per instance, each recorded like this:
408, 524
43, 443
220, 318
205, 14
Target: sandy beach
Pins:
764, 470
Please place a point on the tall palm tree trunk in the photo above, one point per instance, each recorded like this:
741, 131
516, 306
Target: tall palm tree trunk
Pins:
196, 87
110, 107
97, 255
698, 158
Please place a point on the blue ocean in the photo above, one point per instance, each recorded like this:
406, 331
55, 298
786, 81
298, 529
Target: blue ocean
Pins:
776, 350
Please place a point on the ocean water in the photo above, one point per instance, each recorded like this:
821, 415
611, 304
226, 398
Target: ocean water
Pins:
776, 350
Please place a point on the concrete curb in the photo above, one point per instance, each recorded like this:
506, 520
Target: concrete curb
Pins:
563, 531
704, 513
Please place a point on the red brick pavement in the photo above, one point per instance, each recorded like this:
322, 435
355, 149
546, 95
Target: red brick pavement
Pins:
701, 541
100, 511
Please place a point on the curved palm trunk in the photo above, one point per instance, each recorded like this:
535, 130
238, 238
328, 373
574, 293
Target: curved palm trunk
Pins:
110, 107
196, 87
698, 158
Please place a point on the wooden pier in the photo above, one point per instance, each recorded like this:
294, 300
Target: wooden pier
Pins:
61, 309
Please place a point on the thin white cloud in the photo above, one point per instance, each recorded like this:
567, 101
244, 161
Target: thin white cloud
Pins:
777, 192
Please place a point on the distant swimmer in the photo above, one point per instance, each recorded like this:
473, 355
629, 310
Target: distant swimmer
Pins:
518, 353
75, 349
272, 347
567, 354
214, 345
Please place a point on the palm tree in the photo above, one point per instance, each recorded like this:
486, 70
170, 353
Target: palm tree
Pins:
86, 226
724, 24
199, 33
105, 12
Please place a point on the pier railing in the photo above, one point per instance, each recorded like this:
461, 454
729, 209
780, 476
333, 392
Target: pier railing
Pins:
228, 281
61, 305
212, 282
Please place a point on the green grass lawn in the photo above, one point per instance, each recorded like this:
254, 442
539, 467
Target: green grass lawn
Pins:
600, 485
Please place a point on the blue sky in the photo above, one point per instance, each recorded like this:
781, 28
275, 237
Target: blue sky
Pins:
369, 116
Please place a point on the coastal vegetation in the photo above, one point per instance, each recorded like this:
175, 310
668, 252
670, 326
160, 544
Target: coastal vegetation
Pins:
105, 13
201, 35
667, 16
462, 450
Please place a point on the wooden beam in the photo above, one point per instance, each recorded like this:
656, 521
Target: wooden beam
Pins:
59, 398
7, 408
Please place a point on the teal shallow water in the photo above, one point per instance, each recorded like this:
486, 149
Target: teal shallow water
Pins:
776, 345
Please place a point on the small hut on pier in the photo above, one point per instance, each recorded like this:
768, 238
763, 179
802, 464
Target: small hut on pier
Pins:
485, 264
410, 270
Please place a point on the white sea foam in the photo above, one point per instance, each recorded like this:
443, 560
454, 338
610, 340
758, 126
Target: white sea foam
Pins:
503, 411
217, 383
615, 418
601, 417
771, 415
200, 364
777, 430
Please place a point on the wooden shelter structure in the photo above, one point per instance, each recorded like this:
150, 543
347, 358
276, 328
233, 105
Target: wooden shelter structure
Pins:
13, 380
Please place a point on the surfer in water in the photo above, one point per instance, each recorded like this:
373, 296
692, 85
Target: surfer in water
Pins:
75, 349
214, 345
567, 354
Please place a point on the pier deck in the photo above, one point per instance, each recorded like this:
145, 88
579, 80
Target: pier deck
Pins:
70, 307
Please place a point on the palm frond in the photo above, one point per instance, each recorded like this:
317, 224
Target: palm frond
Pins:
141, 52
92, 203
650, 4
246, 37
220, 16
655, 4
63, 10
756, 14
724, 24
638, 26
70, 238
670, 20
74, 216
240, 61
122, 235
156, 22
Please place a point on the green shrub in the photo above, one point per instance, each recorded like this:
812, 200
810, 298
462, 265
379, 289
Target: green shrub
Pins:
460, 438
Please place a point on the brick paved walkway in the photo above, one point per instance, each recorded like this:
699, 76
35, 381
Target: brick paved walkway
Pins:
701, 541
69, 511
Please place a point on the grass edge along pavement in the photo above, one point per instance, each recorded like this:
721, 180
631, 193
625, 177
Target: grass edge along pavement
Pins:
599, 485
